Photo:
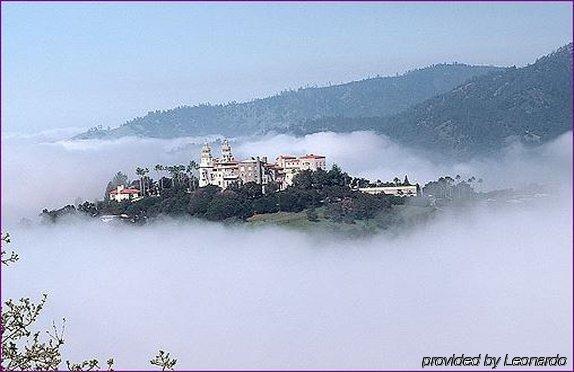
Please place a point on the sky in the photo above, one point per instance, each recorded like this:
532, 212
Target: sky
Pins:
76, 65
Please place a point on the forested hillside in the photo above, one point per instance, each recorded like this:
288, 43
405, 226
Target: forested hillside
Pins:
379, 96
532, 104
453, 109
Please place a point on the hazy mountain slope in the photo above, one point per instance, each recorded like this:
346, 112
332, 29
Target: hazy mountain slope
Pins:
370, 97
532, 103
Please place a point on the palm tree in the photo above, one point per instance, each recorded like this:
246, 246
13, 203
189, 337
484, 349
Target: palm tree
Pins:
171, 171
180, 172
159, 168
190, 170
175, 172
140, 173
146, 180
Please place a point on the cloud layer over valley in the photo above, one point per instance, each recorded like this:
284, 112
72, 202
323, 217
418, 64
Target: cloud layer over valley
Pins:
477, 280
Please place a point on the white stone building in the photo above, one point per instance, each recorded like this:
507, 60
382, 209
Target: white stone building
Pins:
226, 170
402, 190
292, 165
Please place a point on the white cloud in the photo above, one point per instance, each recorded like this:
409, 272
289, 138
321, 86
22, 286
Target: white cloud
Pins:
480, 280
496, 281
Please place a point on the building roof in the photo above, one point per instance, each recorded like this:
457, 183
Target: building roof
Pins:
230, 176
225, 164
286, 157
312, 156
126, 191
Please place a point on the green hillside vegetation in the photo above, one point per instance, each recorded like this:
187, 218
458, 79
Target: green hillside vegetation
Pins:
317, 200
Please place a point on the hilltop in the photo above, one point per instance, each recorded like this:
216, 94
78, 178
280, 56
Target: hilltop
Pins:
455, 110
532, 104
378, 96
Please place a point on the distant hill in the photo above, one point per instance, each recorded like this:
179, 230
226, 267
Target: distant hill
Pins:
532, 104
379, 96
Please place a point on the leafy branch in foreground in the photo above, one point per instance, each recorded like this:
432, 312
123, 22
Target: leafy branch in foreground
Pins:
13, 257
89, 365
23, 349
164, 361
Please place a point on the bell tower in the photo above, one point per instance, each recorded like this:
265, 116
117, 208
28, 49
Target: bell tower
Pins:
206, 159
226, 154
205, 165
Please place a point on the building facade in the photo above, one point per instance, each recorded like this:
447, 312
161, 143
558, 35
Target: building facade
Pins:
226, 170
122, 193
402, 190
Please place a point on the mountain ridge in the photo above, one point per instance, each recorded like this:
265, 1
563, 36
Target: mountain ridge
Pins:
481, 116
456, 110
378, 96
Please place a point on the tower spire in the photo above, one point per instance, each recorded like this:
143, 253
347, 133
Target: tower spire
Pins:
226, 154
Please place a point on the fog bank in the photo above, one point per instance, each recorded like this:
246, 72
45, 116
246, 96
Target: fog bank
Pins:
481, 281
478, 280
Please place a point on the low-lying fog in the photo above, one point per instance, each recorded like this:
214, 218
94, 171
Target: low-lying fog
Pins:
494, 280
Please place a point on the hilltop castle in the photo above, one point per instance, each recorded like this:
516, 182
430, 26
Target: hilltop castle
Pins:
226, 171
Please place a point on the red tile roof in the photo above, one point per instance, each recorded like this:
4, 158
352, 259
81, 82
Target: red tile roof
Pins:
126, 191
312, 156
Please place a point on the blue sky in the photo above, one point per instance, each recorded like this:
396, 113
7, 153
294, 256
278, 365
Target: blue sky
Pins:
82, 64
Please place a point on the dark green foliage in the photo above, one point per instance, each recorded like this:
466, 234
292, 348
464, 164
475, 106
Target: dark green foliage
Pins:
330, 190
53, 215
88, 208
199, 200
287, 111
250, 190
447, 188
359, 207
228, 204
312, 214
266, 204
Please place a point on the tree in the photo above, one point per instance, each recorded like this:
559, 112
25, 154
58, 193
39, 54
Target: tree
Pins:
142, 173
338, 177
227, 204
119, 179
159, 169
190, 170
249, 190
175, 172
312, 214
164, 361
271, 187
